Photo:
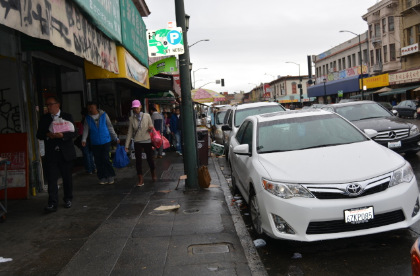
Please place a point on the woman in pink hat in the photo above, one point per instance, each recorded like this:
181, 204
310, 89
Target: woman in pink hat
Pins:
139, 127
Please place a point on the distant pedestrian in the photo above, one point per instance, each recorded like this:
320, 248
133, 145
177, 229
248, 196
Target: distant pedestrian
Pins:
139, 127
175, 125
86, 150
159, 124
101, 133
59, 154
167, 132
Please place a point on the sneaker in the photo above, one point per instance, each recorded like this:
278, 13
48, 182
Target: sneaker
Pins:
50, 208
103, 181
111, 180
67, 204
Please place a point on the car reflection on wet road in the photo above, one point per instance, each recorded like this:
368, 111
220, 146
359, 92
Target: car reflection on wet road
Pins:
380, 254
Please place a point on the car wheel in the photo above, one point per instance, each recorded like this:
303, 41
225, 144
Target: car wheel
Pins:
235, 189
255, 213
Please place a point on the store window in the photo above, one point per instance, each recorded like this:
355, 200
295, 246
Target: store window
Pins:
385, 53
392, 56
383, 25
391, 23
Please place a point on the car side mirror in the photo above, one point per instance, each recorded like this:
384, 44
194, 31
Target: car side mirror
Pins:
371, 133
242, 149
226, 128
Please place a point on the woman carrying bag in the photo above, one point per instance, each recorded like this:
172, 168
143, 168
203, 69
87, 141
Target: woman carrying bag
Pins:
139, 128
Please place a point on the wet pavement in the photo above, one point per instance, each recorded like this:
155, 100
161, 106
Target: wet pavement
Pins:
115, 229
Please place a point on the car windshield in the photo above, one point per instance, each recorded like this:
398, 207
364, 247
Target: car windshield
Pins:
362, 111
220, 116
240, 115
306, 132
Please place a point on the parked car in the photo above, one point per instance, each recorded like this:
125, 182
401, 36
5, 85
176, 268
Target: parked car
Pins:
237, 114
393, 132
312, 175
406, 108
219, 120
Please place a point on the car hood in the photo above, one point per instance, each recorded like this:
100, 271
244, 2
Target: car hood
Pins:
382, 124
335, 164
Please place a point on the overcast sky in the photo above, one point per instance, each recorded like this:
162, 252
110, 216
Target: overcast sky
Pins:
251, 41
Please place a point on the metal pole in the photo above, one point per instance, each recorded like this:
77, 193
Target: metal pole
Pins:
188, 131
361, 65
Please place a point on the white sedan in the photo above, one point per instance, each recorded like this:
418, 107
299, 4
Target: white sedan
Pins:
312, 175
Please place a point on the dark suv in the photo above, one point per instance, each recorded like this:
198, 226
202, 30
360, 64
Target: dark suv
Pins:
393, 132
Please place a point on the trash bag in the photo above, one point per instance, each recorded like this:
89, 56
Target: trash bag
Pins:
156, 138
204, 177
121, 159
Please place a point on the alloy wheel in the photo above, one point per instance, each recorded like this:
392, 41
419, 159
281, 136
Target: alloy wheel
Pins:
255, 214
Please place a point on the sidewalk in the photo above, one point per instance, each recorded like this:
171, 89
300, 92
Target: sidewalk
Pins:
114, 229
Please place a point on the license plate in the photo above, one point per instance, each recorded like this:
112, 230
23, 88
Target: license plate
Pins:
393, 145
358, 215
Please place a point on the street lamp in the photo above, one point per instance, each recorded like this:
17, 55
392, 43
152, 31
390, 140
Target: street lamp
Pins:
360, 58
198, 42
194, 74
300, 81
324, 80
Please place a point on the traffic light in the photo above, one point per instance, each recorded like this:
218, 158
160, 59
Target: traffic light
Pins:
223, 82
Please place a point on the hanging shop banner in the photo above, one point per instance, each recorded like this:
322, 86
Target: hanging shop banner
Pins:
133, 31
405, 77
61, 23
130, 69
105, 14
167, 65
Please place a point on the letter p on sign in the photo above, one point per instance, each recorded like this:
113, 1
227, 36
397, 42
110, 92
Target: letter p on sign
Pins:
174, 37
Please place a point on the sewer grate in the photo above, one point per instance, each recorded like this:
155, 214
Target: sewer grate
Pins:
172, 174
211, 248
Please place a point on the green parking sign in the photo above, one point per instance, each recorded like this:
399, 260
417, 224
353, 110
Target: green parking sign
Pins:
165, 42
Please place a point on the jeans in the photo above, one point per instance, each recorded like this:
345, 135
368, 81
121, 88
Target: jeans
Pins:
102, 160
88, 159
147, 147
178, 141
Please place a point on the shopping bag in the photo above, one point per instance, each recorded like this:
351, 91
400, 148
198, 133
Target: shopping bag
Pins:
156, 138
60, 125
121, 159
166, 143
204, 177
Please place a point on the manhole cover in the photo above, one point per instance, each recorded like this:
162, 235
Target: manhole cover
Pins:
191, 211
159, 213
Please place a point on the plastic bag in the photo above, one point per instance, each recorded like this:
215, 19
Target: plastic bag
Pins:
166, 143
60, 125
121, 159
156, 138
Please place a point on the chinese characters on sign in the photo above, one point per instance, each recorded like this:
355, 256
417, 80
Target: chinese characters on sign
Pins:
60, 22
405, 77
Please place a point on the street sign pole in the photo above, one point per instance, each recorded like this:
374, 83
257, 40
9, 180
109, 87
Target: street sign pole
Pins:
187, 116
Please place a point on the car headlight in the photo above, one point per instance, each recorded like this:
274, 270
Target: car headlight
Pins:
414, 130
285, 190
402, 175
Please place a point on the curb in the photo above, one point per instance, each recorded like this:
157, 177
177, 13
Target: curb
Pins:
254, 261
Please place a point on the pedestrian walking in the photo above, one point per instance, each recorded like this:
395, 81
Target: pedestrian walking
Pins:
159, 124
175, 125
88, 160
59, 153
167, 132
139, 127
101, 133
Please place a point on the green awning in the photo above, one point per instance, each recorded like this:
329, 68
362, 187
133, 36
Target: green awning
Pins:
400, 90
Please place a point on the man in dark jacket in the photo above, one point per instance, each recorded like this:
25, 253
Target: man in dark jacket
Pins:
175, 125
59, 154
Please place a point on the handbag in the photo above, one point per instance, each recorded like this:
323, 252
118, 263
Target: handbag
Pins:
165, 142
204, 177
156, 138
121, 159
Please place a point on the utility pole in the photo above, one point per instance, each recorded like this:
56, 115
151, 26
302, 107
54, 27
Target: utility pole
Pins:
187, 116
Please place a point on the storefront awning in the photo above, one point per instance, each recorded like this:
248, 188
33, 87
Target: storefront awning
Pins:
398, 90
346, 85
130, 69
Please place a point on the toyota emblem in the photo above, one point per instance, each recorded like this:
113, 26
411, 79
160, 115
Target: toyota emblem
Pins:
392, 135
354, 189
